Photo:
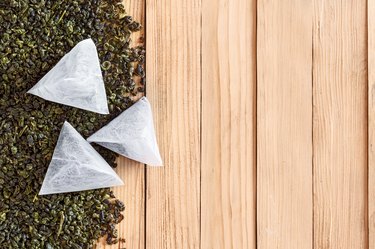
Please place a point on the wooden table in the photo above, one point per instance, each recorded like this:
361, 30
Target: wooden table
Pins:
265, 117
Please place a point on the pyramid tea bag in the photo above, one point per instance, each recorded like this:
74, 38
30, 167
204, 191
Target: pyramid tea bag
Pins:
131, 134
76, 80
76, 166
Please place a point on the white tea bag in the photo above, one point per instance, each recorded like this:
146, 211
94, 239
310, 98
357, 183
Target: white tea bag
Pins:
132, 135
77, 166
76, 80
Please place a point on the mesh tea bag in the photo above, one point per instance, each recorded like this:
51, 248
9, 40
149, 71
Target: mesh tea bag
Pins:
131, 134
76, 80
76, 166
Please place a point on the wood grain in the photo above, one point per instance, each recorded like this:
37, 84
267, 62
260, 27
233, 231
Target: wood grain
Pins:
284, 117
132, 228
173, 88
260, 109
371, 121
340, 124
228, 182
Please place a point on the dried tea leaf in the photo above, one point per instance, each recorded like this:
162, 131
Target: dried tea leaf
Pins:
34, 36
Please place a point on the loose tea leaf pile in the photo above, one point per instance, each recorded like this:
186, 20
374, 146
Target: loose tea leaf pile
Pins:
34, 36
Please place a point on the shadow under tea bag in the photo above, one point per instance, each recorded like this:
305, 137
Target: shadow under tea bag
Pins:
76, 166
131, 134
76, 80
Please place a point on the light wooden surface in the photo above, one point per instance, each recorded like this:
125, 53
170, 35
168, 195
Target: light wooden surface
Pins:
284, 141
173, 87
228, 186
265, 118
371, 122
340, 124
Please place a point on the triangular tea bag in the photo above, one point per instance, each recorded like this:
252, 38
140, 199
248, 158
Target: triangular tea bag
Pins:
132, 134
76, 80
76, 166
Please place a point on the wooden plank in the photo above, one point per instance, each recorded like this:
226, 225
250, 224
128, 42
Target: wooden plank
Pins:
173, 88
132, 228
371, 121
284, 117
340, 124
228, 182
